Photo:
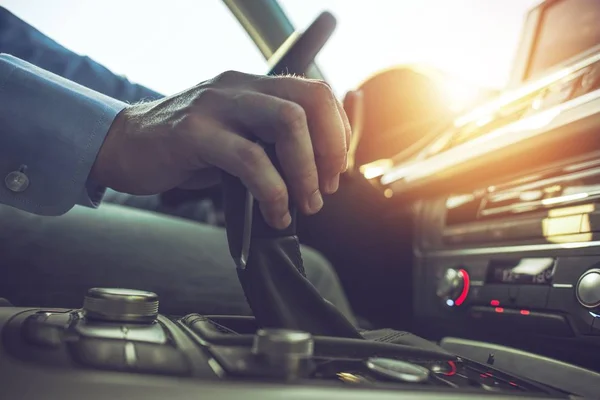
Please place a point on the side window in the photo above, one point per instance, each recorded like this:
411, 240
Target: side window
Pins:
164, 45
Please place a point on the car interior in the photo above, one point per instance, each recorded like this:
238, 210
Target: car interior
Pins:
464, 240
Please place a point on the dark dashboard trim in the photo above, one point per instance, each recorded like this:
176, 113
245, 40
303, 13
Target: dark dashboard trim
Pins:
510, 249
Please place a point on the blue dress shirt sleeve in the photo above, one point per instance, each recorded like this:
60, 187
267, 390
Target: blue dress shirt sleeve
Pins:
51, 129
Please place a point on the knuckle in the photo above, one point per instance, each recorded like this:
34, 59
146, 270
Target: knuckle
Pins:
292, 116
306, 180
229, 77
251, 156
186, 122
208, 96
276, 194
321, 89
323, 83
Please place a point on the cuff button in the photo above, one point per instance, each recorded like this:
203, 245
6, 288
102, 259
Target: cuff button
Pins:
17, 181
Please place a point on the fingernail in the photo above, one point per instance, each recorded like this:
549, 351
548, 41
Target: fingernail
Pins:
315, 203
286, 221
331, 186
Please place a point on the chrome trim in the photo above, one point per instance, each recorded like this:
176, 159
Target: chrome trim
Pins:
563, 285
130, 354
152, 333
511, 249
525, 90
247, 231
212, 363
193, 334
216, 367
501, 138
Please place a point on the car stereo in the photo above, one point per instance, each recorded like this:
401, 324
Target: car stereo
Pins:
506, 200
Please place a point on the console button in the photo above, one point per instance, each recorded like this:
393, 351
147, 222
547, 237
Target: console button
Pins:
100, 353
587, 289
157, 359
46, 329
532, 297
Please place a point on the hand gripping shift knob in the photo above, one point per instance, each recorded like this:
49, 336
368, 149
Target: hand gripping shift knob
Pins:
269, 262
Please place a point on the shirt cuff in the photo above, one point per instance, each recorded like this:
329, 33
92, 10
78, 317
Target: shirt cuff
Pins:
52, 130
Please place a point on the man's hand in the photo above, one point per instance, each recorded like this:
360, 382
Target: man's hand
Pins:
182, 141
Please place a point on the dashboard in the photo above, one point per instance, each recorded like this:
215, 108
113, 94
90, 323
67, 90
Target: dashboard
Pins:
506, 201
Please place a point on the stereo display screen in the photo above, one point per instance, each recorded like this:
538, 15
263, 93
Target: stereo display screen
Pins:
526, 271
566, 29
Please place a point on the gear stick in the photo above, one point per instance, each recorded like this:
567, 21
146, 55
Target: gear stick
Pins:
270, 269
269, 262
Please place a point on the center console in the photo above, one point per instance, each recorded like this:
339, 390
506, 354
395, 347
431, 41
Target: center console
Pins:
518, 261
117, 345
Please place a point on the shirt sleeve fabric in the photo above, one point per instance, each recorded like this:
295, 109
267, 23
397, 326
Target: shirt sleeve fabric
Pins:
51, 129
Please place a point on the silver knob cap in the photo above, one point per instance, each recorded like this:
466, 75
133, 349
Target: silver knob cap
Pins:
278, 343
286, 350
450, 285
588, 289
120, 305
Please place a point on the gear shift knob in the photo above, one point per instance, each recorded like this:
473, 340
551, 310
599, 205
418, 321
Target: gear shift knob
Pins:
270, 269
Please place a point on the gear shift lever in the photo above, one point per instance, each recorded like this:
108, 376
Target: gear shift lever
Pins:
270, 269
268, 260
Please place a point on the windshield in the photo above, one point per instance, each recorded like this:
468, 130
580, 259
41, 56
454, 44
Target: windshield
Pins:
167, 46
472, 40
171, 45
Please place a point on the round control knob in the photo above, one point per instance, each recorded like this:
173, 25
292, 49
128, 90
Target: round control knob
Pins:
282, 343
120, 305
588, 288
453, 287
286, 351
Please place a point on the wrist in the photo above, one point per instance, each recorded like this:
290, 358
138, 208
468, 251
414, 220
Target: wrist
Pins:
107, 163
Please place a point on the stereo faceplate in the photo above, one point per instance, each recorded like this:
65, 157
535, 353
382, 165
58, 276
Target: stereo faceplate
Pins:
549, 314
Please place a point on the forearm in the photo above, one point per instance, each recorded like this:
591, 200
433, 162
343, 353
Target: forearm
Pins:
55, 128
